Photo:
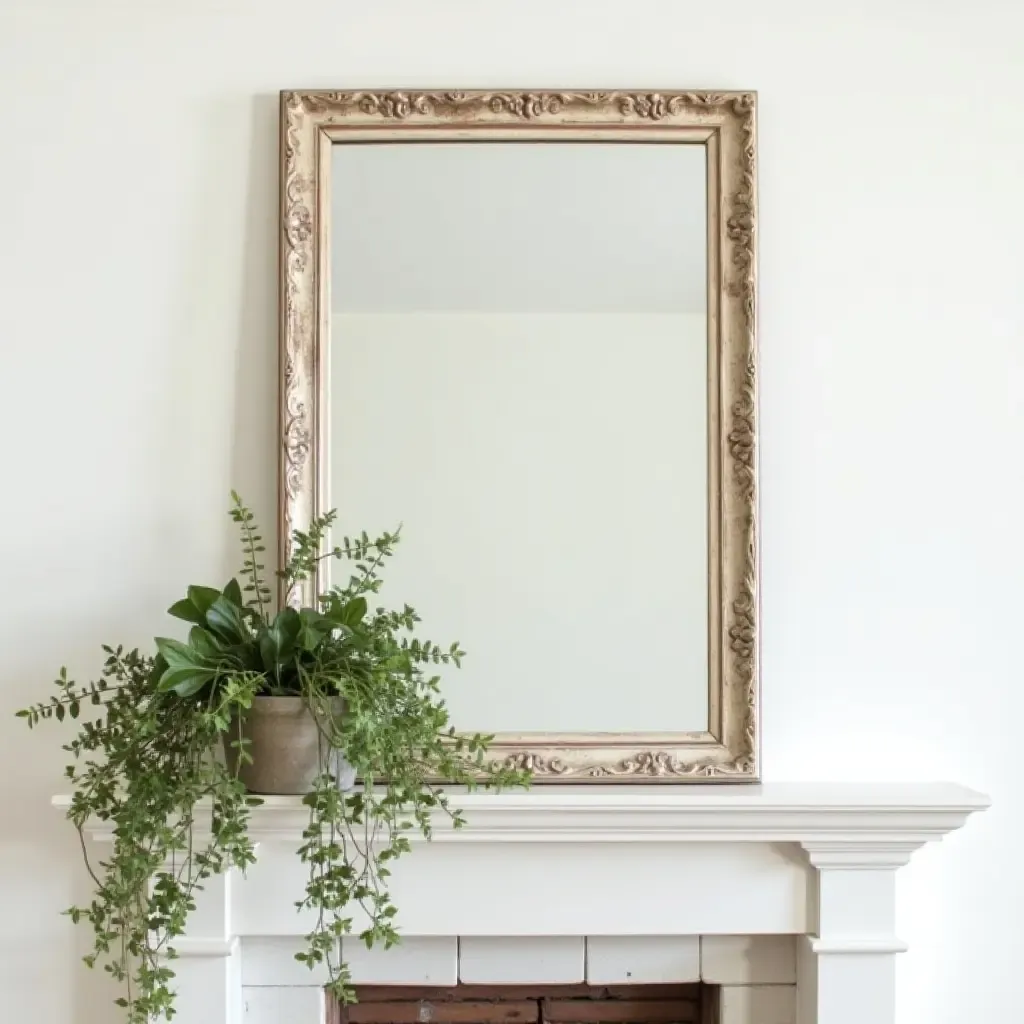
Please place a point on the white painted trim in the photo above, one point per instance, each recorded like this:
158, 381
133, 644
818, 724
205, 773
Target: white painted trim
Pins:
760, 1004
748, 959
842, 819
543, 870
204, 948
642, 959
291, 1005
867, 945
861, 855
522, 960
271, 963
416, 960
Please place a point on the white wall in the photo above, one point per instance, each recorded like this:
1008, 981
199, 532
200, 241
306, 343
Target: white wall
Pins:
137, 312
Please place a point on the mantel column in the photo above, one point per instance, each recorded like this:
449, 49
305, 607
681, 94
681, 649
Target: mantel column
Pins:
846, 971
208, 975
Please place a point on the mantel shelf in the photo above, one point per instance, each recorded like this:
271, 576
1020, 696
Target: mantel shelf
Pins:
831, 820
641, 870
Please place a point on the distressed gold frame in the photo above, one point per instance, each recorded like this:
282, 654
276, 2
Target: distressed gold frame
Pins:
725, 123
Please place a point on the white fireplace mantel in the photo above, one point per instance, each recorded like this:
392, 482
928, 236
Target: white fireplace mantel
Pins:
627, 873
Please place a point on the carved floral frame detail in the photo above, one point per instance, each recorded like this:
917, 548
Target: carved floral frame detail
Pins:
725, 123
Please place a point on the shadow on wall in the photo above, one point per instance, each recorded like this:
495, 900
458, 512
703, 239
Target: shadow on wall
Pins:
224, 369
254, 465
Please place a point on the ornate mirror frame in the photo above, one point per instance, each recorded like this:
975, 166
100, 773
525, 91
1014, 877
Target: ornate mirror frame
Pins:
725, 123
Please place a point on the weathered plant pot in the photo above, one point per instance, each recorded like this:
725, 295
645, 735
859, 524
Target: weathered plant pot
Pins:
287, 749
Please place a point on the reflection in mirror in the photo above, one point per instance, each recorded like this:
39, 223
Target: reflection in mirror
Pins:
518, 371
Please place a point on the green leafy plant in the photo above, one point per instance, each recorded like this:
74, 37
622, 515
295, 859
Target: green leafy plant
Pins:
146, 761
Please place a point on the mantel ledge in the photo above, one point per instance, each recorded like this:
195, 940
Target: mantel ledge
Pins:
840, 825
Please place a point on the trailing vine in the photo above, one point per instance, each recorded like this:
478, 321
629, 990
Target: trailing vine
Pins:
146, 759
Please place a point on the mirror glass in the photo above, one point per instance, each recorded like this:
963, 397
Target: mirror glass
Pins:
518, 373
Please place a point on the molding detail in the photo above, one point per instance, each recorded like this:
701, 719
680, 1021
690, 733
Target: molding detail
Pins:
644, 765
206, 949
591, 862
870, 946
845, 856
726, 123
842, 825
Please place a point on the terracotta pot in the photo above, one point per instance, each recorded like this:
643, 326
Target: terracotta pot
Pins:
288, 751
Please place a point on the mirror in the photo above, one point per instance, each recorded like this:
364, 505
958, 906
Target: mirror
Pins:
518, 371
526, 333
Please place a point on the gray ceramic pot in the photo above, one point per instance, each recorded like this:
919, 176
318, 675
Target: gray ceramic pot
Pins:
288, 752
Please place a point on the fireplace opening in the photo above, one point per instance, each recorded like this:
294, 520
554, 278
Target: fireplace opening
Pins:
530, 1004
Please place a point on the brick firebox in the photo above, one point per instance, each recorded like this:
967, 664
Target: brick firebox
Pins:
531, 1004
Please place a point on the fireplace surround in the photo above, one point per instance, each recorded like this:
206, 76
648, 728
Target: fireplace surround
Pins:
781, 895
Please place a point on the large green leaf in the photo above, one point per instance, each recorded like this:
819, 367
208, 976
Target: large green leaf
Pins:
355, 611
206, 644
185, 609
278, 640
350, 614
233, 592
193, 608
177, 654
185, 681
314, 627
203, 597
288, 621
226, 619
187, 670
269, 653
159, 668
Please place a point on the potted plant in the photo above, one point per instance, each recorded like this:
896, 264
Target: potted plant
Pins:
304, 700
